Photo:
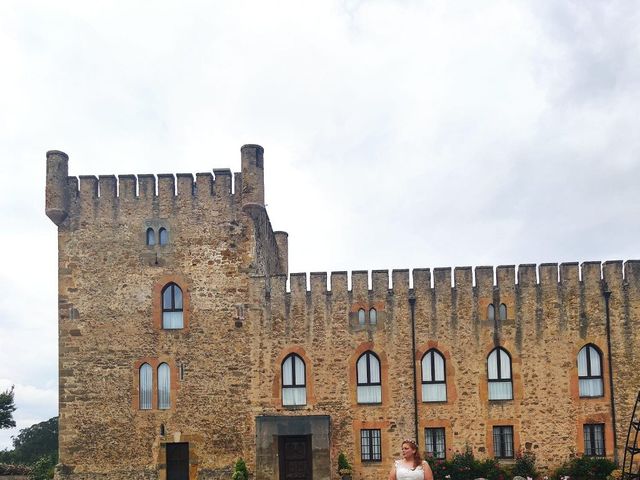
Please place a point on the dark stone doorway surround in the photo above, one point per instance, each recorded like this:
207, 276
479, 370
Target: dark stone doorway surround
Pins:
272, 433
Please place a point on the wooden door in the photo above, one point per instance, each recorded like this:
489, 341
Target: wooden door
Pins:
177, 461
295, 457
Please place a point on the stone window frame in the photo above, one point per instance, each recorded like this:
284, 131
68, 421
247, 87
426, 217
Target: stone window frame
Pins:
426, 422
603, 418
360, 315
516, 373
277, 379
385, 445
154, 362
158, 287
156, 225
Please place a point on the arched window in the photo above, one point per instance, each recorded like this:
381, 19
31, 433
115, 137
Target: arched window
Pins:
434, 386
146, 386
164, 386
361, 316
590, 372
294, 390
151, 236
373, 316
172, 307
503, 312
163, 236
499, 374
491, 312
368, 378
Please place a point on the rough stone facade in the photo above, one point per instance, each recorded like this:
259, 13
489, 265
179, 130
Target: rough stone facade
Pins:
241, 322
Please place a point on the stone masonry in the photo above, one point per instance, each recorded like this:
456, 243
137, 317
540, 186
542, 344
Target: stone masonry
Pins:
241, 321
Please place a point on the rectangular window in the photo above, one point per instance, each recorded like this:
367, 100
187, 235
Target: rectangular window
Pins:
370, 450
434, 442
503, 441
594, 440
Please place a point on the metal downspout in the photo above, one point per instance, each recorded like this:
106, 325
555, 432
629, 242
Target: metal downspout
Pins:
412, 305
607, 293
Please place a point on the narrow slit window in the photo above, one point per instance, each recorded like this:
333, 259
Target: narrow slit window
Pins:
373, 316
151, 236
503, 312
361, 316
163, 236
164, 386
146, 386
491, 312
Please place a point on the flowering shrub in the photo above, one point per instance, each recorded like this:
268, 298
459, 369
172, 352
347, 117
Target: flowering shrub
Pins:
464, 466
585, 468
525, 465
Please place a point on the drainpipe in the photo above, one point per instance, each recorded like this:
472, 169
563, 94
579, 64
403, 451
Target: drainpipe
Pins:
412, 305
607, 293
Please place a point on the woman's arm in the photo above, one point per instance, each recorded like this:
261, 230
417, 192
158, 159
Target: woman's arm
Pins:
428, 474
392, 473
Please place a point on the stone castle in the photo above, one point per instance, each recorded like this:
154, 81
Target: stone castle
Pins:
182, 349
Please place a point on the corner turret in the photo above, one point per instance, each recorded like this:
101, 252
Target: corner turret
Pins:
252, 174
57, 196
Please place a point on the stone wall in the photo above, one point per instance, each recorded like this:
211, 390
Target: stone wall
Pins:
240, 322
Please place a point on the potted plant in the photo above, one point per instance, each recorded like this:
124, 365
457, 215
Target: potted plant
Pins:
344, 467
240, 471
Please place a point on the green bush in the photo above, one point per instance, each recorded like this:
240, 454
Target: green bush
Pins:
240, 471
585, 468
43, 468
464, 466
344, 467
525, 465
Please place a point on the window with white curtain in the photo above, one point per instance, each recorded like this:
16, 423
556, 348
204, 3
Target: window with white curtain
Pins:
172, 307
151, 236
294, 389
164, 386
369, 389
502, 312
503, 441
434, 386
435, 443
594, 440
146, 386
590, 372
499, 375
370, 445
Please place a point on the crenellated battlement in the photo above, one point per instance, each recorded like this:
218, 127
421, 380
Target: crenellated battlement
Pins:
480, 278
71, 196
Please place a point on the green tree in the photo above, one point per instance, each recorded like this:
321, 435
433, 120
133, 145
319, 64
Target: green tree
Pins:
7, 407
37, 441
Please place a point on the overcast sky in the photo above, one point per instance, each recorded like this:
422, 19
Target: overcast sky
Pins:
397, 134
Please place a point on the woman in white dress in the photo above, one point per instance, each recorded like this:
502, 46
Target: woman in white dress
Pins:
411, 466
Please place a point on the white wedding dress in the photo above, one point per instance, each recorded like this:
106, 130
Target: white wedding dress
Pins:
404, 473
